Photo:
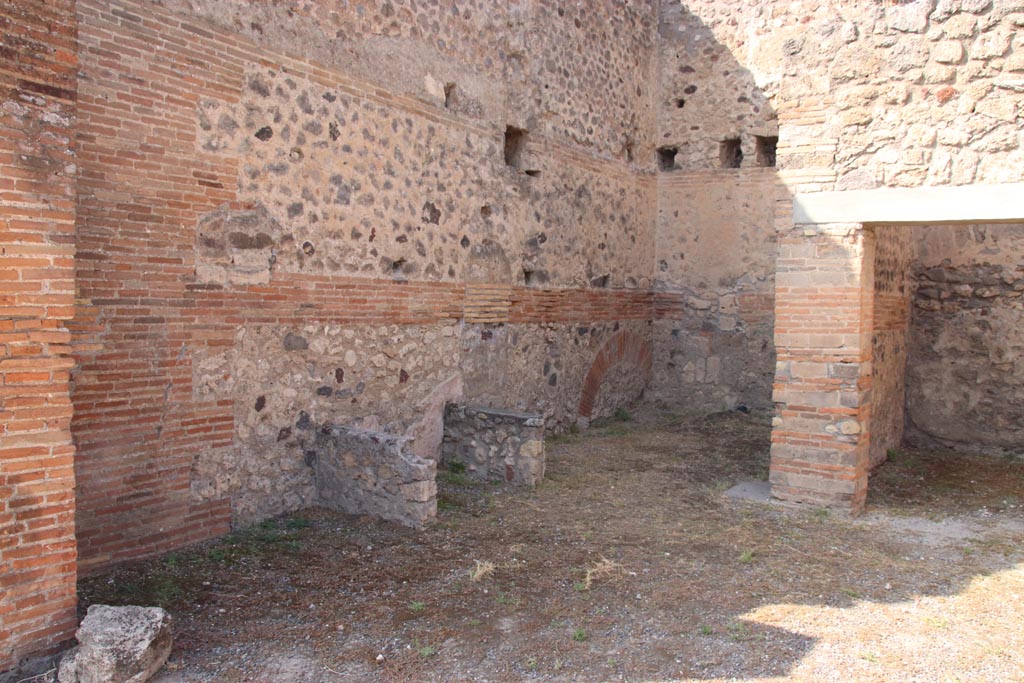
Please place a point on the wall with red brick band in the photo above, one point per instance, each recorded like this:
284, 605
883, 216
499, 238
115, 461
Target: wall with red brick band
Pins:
170, 107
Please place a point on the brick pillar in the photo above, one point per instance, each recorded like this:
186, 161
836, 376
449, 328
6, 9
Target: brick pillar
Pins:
823, 325
37, 226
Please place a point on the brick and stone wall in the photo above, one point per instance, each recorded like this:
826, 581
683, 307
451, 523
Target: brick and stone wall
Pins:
297, 216
618, 376
823, 332
38, 170
858, 95
965, 378
715, 249
895, 247
290, 215
866, 95
493, 444
715, 227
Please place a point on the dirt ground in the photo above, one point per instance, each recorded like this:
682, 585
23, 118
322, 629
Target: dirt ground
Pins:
626, 564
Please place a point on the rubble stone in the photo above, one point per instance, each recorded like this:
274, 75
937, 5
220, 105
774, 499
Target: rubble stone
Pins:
118, 645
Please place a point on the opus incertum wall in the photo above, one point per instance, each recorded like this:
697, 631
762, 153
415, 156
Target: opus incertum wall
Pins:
824, 320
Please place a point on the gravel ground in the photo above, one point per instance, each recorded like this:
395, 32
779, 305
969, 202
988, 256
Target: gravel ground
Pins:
626, 564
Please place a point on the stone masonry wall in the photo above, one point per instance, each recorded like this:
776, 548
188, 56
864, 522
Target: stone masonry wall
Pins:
578, 74
494, 444
715, 232
895, 248
302, 214
859, 95
546, 368
871, 94
715, 267
38, 170
965, 377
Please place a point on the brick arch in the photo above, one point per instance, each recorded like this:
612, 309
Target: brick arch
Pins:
623, 347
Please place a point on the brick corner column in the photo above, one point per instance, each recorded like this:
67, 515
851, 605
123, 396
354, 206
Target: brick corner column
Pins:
823, 325
38, 170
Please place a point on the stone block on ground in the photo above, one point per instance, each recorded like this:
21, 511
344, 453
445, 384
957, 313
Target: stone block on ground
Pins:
118, 645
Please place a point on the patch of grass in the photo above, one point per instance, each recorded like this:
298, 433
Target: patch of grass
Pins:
456, 479
849, 592
747, 556
447, 503
1007, 547
579, 635
457, 467
481, 570
622, 415
165, 590
906, 460
267, 539
426, 651
706, 630
738, 631
563, 437
507, 599
417, 606
160, 590
614, 430
297, 523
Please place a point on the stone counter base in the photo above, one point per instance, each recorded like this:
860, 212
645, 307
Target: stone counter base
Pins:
494, 444
371, 473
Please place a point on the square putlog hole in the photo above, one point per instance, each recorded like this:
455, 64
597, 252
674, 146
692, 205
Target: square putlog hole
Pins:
765, 147
730, 153
667, 158
515, 143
